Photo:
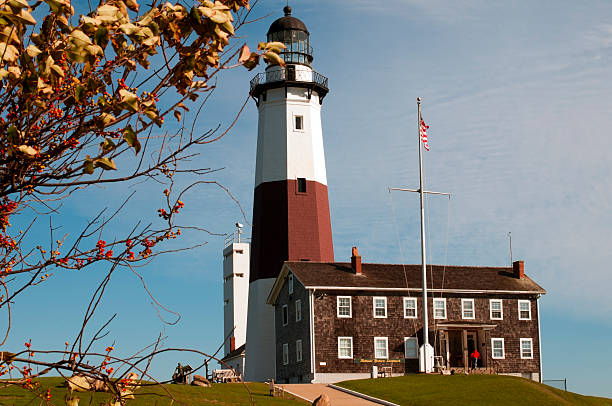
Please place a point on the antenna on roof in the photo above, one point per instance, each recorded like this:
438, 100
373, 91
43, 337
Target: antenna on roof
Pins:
510, 238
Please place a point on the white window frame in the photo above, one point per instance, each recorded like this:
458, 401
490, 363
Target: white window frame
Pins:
463, 316
416, 345
298, 310
384, 298
501, 309
493, 340
410, 299
295, 116
350, 306
290, 283
386, 340
298, 350
351, 347
286, 354
519, 309
530, 341
439, 299
284, 311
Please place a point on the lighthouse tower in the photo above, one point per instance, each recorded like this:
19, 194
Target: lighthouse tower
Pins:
290, 208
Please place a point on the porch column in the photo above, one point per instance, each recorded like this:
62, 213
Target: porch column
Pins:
447, 349
466, 364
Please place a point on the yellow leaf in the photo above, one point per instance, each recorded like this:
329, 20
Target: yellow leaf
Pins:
26, 17
105, 163
273, 58
33, 50
18, 3
227, 26
275, 44
79, 39
28, 150
15, 71
129, 28
58, 70
177, 114
9, 52
218, 17
151, 42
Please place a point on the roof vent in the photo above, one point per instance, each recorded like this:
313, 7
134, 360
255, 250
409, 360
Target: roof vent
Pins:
518, 268
356, 262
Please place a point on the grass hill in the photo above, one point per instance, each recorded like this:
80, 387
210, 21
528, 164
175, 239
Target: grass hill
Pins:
218, 394
498, 390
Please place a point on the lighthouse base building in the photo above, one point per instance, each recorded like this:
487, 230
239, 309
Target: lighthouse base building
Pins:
339, 321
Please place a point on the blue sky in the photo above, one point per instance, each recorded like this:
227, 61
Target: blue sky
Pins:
517, 95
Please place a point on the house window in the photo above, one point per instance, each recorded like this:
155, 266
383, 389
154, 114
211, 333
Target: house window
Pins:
290, 282
524, 307
498, 348
301, 185
439, 306
380, 307
410, 307
345, 347
467, 308
298, 310
285, 354
298, 350
526, 348
285, 315
344, 306
411, 347
381, 350
298, 121
496, 307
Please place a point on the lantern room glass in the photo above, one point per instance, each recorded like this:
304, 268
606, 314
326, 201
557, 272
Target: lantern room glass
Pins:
298, 46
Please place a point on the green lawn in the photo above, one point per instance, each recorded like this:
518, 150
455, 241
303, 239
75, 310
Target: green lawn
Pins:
447, 390
218, 394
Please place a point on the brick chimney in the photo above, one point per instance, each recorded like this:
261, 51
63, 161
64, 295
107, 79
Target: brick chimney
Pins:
518, 268
232, 343
356, 262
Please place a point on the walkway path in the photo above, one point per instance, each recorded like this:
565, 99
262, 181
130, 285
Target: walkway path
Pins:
311, 391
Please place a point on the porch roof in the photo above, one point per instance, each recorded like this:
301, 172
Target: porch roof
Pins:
463, 325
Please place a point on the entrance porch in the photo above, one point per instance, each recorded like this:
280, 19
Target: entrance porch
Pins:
457, 341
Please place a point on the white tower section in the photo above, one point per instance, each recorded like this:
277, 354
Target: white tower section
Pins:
235, 293
289, 134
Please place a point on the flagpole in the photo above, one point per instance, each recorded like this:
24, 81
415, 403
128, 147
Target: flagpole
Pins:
425, 367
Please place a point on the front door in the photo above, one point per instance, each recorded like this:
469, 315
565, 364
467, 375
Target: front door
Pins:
471, 345
455, 348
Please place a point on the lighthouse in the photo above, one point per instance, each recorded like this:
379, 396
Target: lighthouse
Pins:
291, 220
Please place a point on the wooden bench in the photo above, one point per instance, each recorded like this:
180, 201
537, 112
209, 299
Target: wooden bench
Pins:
385, 372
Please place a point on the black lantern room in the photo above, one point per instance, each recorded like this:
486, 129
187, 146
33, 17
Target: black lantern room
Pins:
293, 33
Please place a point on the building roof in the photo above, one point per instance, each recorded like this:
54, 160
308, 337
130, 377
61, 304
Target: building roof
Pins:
233, 354
398, 277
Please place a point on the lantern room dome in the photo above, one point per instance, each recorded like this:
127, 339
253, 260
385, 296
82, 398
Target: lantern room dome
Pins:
288, 22
293, 33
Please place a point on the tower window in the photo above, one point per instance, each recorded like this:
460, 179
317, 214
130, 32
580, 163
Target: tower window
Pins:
299, 122
301, 185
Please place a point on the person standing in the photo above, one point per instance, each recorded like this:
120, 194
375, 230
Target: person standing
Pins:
475, 355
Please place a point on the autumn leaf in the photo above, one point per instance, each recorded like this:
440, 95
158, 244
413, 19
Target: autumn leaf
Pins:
131, 138
105, 163
245, 54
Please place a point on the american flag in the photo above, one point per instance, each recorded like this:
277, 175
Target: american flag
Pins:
423, 132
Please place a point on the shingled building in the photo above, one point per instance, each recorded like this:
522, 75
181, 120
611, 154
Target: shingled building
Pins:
334, 321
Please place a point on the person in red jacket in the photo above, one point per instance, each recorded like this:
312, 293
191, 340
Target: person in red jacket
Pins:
475, 355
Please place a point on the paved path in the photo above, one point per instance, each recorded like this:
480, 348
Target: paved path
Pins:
311, 391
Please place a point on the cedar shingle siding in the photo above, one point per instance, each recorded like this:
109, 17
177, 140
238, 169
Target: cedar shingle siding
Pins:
294, 371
